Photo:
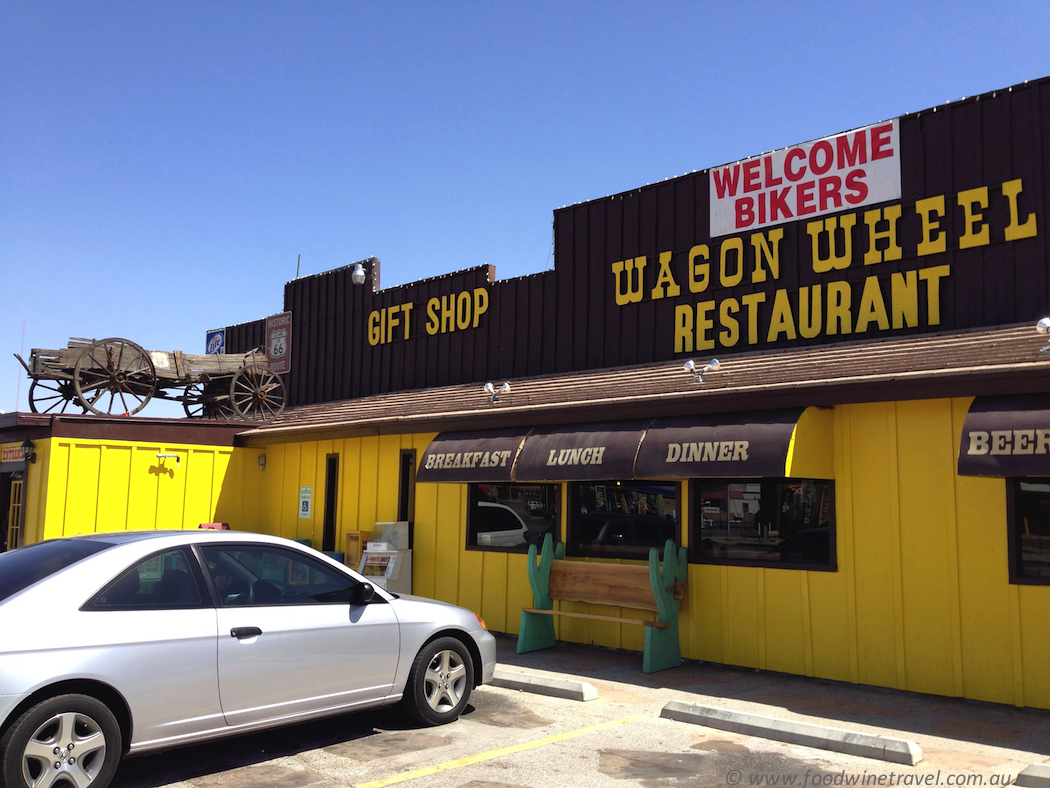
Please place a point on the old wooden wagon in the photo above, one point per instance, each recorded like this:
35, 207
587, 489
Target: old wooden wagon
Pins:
116, 376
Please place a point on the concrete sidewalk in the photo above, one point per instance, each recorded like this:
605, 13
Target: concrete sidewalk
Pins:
958, 733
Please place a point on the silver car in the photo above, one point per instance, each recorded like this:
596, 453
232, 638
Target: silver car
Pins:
125, 643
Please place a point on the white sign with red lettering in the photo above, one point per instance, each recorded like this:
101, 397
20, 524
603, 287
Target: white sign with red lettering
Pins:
12, 455
860, 167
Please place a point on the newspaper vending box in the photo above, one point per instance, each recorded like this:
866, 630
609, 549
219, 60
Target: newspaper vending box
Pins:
385, 563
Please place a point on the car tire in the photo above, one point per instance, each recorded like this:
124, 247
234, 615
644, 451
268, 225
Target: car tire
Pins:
440, 682
76, 732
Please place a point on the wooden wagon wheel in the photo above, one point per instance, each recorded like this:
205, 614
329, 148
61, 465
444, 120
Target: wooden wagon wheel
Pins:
257, 393
209, 400
117, 367
54, 396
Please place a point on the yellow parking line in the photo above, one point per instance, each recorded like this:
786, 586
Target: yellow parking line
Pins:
488, 756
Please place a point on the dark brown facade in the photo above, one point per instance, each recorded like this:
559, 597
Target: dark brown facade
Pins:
638, 277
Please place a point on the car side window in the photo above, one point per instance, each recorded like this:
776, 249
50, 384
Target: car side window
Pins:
162, 581
273, 575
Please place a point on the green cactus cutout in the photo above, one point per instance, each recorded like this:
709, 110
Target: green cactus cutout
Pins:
662, 647
537, 631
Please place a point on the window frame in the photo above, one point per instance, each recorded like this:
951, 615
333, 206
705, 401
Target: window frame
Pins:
639, 552
203, 548
695, 556
1013, 535
204, 589
473, 500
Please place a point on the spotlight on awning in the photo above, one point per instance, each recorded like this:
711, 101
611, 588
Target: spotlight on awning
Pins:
698, 373
1043, 327
494, 393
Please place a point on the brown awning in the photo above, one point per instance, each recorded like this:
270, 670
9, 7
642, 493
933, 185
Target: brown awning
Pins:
580, 452
718, 445
1006, 436
482, 456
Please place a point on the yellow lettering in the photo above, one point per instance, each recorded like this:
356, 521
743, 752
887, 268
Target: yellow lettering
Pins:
840, 298
904, 293
730, 334
967, 200
926, 209
810, 312
872, 307
763, 251
463, 302
406, 309
724, 277
751, 302
632, 294
932, 278
391, 322
448, 313
373, 329
683, 329
1016, 231
890, 215
703, 325
481, 303
665, 283
833, 261
699, 273
782, 322
433, 323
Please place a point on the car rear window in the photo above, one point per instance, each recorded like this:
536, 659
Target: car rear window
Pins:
21, 568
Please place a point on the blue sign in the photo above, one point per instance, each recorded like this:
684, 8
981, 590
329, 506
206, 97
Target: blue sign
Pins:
216, 341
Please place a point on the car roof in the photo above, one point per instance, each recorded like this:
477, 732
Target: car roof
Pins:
128, 537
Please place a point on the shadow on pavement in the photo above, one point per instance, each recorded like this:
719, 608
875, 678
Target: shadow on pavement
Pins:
235, 761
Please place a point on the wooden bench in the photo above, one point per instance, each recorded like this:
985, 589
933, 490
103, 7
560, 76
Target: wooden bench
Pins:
620, 585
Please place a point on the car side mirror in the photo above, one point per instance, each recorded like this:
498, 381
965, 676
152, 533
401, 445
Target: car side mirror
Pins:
367, 593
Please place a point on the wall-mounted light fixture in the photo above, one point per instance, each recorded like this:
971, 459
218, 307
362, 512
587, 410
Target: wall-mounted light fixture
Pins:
699, 372
161, 456
1043, 327
28, 453
494, 393
358, 274
262, 462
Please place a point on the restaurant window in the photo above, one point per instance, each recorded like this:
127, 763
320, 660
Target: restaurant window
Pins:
787, 523
510, 517
622, 519
1030, 523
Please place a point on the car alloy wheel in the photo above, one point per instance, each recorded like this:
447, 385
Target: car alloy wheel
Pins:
441, 681
69, 740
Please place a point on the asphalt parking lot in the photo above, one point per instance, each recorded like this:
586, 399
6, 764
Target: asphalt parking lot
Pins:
511, 738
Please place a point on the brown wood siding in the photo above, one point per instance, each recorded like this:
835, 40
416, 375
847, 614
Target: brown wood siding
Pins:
567, 320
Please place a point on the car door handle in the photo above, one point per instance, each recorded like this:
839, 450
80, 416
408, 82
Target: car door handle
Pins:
245, 632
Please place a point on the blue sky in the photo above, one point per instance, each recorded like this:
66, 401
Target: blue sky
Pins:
163, 164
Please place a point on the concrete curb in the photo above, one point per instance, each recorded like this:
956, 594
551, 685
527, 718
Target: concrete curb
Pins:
826, 738
544, 685
1035, 776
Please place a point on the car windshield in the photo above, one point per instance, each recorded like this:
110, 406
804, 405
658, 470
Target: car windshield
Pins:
21, 568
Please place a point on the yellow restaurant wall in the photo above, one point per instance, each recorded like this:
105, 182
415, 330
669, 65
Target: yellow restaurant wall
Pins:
88, 486
921, 599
